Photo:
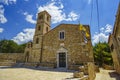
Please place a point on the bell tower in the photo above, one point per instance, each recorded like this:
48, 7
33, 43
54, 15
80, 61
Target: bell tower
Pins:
43, 23
42, 27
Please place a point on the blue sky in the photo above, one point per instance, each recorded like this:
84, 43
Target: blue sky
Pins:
18, 17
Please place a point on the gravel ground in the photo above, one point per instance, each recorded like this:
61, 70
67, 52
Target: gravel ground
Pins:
7, 73
107, 75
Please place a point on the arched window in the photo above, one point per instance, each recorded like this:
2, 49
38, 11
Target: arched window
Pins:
41, 17
27, 56
37, 40
28, 45
112, 47
39, 27
31, 45
47, 18
46, 29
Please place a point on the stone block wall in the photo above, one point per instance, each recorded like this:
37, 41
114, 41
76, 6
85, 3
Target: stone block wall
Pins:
12, 57
72, 43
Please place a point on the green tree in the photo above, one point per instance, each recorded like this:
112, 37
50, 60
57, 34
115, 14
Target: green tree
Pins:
21, 48
102, 54
9, 46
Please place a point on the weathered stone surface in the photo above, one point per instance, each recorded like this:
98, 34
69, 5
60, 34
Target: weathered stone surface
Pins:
91, 71
9, 59
7, 63
6, 57
114, 42
78, 74
81, 68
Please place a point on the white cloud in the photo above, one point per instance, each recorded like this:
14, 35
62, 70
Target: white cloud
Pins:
29, 18
25, 36
2, 17
1, 30
7, 2
72, 16
102, 29
103, 35
108, 28
99, 37
56, 10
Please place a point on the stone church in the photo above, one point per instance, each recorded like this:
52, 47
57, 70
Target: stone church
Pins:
114, 42
64, 46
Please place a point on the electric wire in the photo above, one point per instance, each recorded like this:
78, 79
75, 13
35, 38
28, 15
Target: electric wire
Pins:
91, 13
98, 20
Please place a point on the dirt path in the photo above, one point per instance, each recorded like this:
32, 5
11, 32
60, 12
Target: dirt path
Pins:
107, 75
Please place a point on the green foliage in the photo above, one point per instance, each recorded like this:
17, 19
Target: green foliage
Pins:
21, 48
9, 46
102, 54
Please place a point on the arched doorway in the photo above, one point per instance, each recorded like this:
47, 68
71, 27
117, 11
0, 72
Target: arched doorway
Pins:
62, 61
27, 56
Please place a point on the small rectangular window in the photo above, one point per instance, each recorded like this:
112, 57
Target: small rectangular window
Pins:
62, 35
39, 27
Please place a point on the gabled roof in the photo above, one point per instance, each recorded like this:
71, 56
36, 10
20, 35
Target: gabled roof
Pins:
67, 25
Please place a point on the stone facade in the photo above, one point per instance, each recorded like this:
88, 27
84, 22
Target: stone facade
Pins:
114, 42
64, 46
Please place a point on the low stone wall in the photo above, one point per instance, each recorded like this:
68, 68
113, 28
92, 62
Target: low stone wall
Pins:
13, 57
7, 63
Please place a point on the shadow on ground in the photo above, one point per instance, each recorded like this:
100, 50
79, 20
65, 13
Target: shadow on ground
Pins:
114, 75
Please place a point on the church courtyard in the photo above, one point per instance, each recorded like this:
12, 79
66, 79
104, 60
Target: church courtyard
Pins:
8, 73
